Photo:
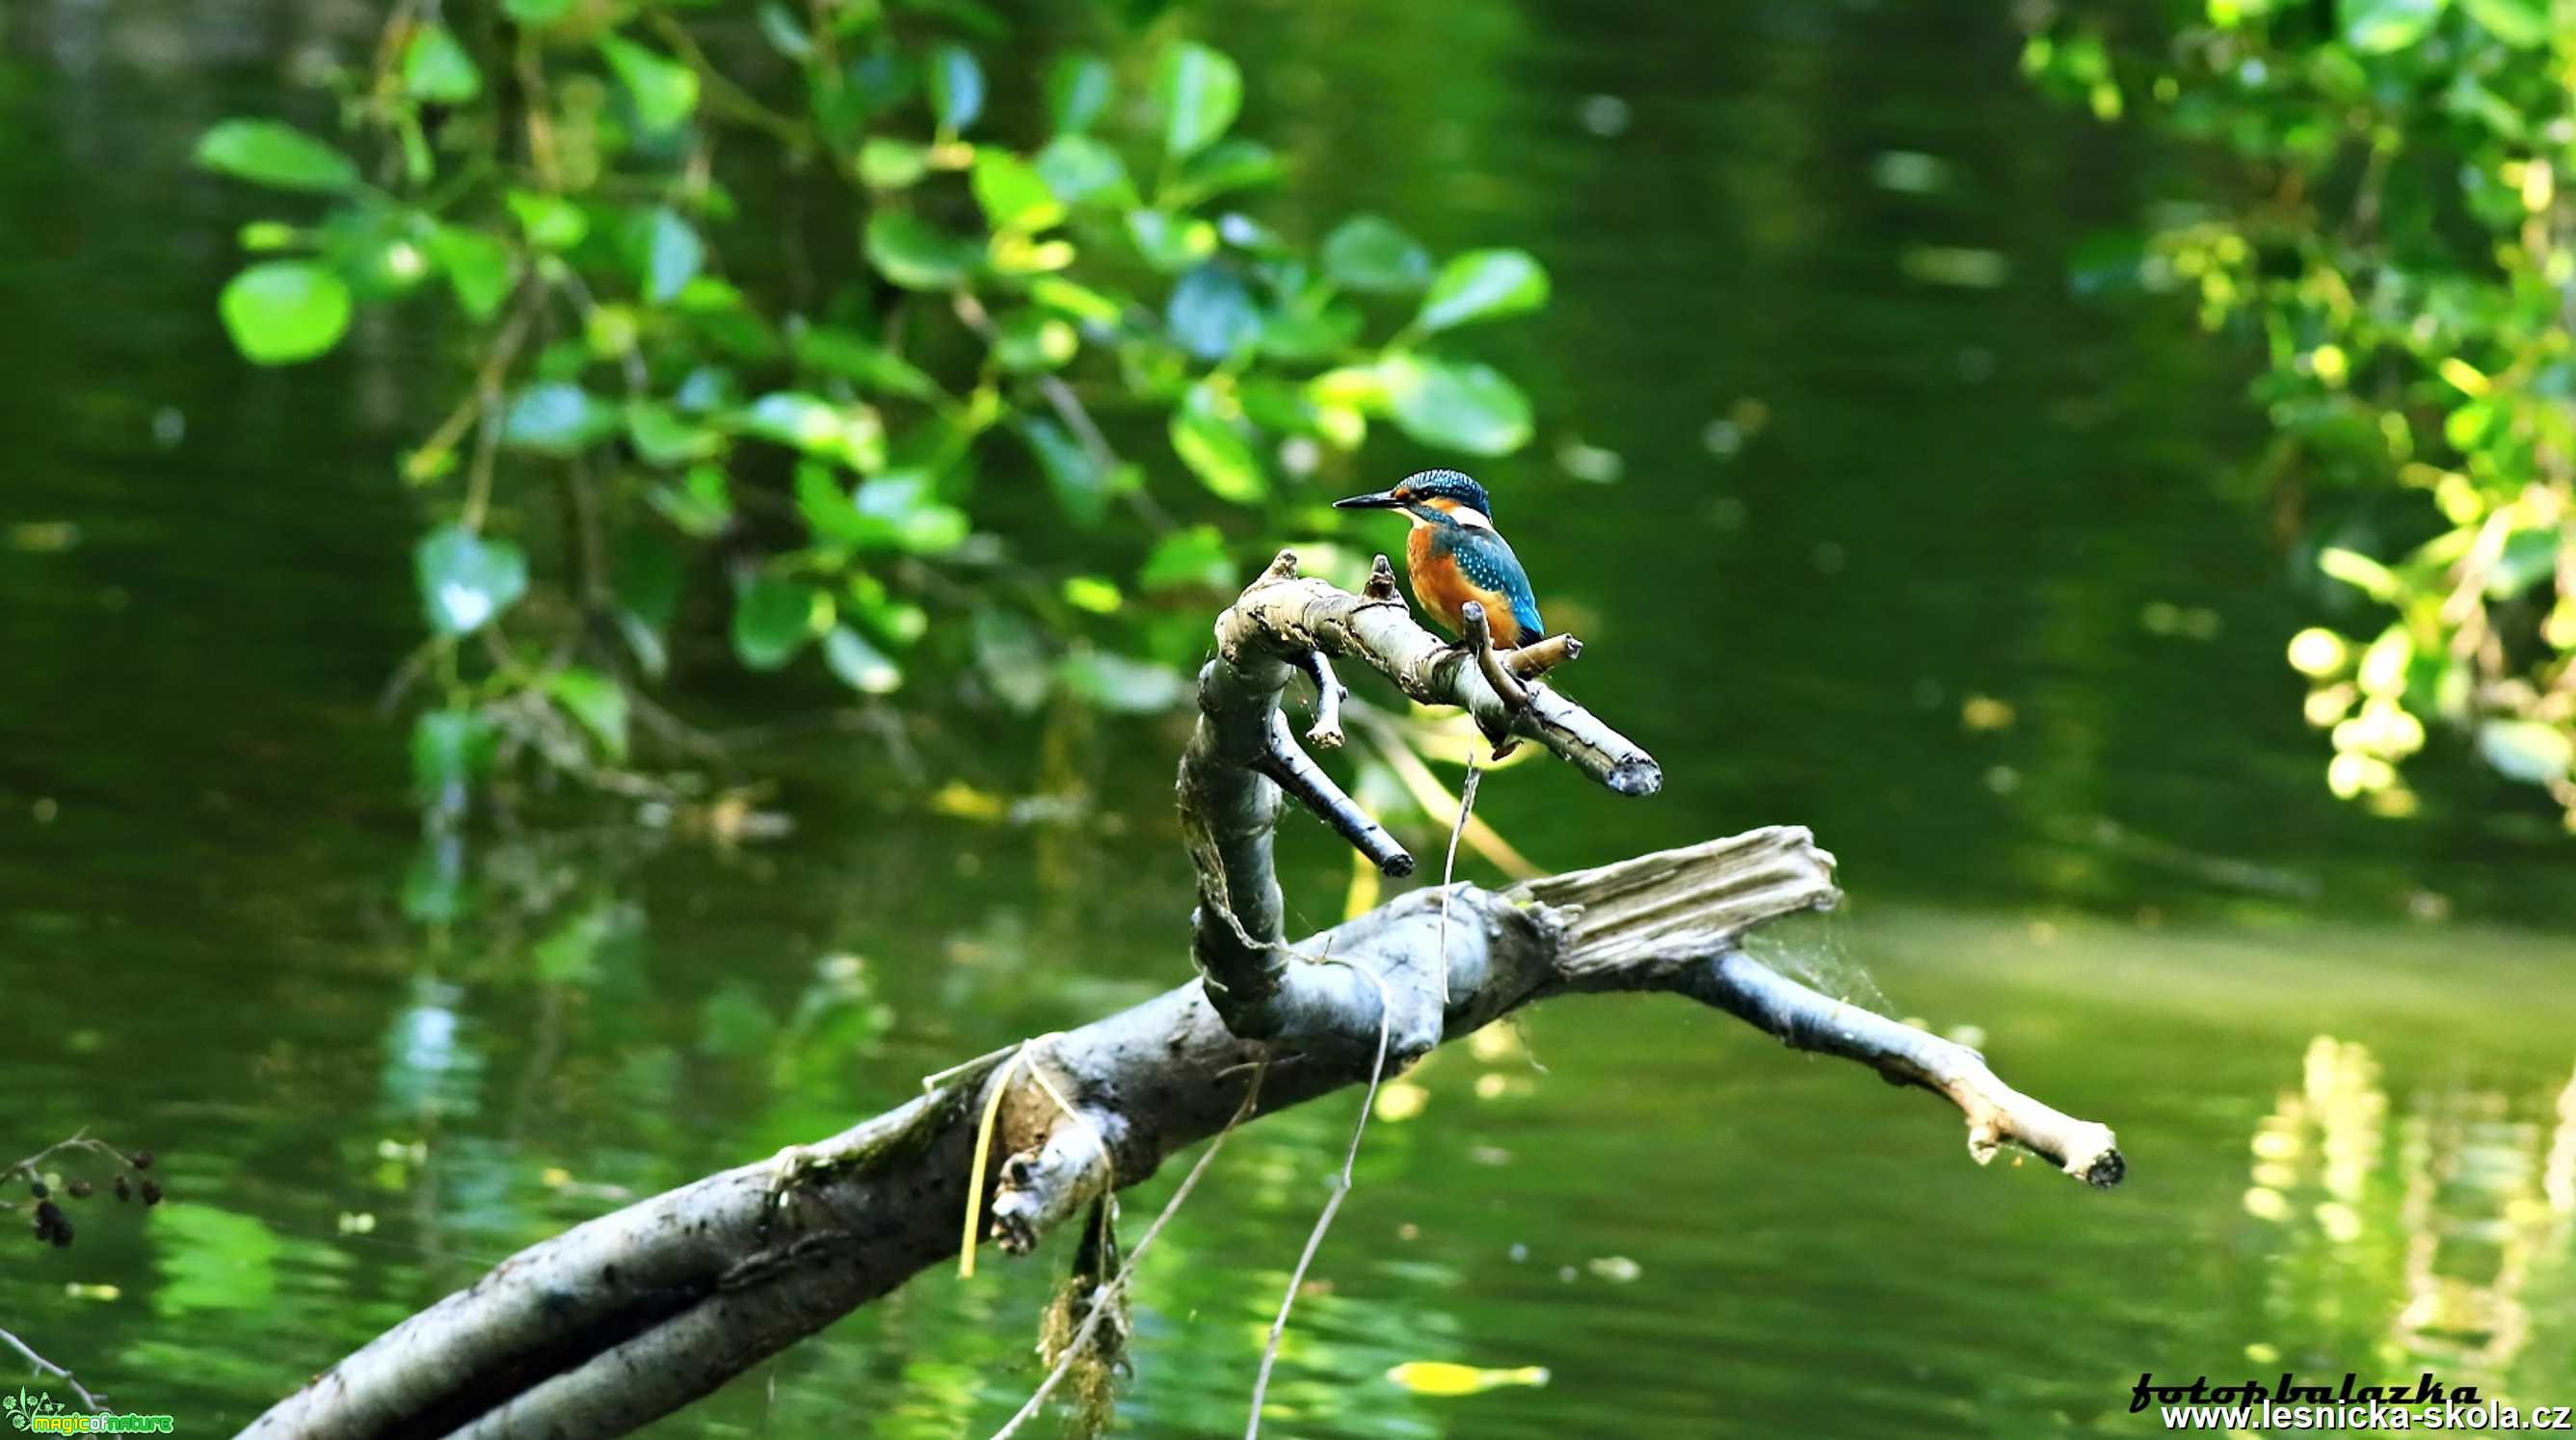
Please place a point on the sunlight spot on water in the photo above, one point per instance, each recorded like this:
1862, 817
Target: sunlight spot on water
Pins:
1605, 115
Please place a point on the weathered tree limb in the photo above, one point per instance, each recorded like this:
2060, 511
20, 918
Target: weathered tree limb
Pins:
1241, 757
637, 1313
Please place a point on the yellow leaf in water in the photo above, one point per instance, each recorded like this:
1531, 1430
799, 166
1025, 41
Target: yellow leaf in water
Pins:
965, 802
1985, 712
1441, 1377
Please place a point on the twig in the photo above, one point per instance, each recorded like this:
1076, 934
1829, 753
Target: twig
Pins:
1330, 692
486, 390
1996, 1113
79, 1140
723, 94
1449, 869
1333, 1202
1296, 772
1536, 659
1480, 640
1103, 1300
50, 1367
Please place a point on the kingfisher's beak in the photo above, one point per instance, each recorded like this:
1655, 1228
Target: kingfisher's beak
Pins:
1382, 500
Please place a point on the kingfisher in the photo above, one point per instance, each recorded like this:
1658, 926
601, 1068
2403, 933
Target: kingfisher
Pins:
1455, 555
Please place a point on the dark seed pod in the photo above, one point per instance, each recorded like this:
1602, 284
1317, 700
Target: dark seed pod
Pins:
63, 1236
38, 1190
81, 1189
151, 1192
142, 1159
50, 1224
124, 1189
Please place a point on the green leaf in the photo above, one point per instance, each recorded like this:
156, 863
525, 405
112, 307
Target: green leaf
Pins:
2376, 27
436, 68
772, 620
1077, 302
1215, 451
1194, 558
1212, 313
900, 621
861, 666
598, 702
825, 503
2527, 750
852, 434
271, 153
283, 311
2523, 24
558, 417
448, 749
1199, 92
784, 31
480, 267
1483, 285
915, 254
1078, 169
1371, 253
1123, 684
665, 251
1314, 335
856, 358
662, 438
908, 504
1227, 165
1083, 484
886, 163
466, 580
536, 12
1170, 242
1453, 406
665, 91
701, 505
2360, 572
1014, 195
956, 84
1027, 341
1012, 658
1078, 87
550, 221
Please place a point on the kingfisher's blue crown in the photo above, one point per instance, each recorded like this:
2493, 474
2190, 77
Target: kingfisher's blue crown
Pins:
1446, 485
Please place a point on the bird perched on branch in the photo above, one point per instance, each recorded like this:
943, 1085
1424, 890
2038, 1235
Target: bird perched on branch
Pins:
1455, 555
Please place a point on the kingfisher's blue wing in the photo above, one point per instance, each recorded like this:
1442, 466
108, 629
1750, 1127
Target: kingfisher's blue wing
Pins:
1489, 563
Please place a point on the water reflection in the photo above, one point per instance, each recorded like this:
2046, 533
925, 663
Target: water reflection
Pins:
2419, 1239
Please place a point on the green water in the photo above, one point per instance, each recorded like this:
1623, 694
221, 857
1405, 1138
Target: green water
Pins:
1923, 495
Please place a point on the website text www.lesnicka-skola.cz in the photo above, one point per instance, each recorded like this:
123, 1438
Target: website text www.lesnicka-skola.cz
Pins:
2424, 1403
2486, 1415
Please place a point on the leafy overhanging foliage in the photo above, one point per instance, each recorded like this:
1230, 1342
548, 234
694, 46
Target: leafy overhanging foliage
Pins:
922, 364
2403, 252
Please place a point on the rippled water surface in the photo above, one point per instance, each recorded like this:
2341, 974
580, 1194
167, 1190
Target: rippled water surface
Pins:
1910, 546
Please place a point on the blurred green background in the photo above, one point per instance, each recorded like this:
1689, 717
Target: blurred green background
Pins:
1870, 523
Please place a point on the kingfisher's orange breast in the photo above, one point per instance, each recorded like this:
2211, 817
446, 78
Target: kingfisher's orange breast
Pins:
1444, 590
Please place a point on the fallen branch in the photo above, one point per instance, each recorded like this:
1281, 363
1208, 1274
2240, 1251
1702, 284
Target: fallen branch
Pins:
633, 1315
